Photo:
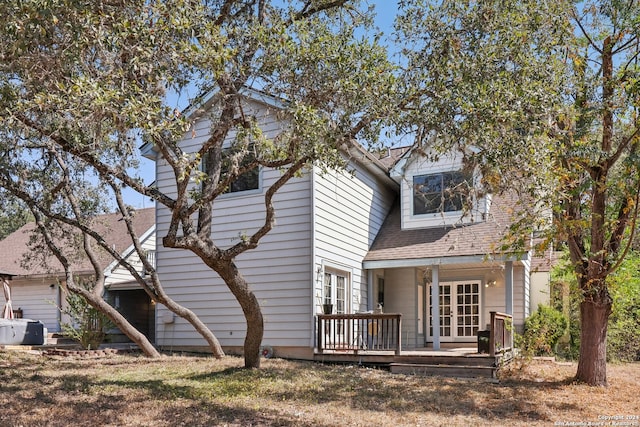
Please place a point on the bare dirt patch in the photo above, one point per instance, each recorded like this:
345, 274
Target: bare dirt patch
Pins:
127, 390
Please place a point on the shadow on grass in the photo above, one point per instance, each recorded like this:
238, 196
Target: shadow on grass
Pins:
377, 391
269, 396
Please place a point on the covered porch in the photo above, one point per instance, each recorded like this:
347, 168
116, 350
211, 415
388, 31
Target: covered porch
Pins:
463, 290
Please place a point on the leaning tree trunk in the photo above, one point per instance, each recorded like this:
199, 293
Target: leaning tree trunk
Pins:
594, 317
251, 309
118, 319
190, 316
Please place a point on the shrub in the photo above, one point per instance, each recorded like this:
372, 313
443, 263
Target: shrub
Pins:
88, 325
623, 334
542, 330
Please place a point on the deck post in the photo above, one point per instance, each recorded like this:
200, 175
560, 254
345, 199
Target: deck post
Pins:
508, 287
320, 334
435, 304
399, 337
492, 335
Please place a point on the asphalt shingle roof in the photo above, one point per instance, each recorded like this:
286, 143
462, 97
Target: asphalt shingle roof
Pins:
16, 245
480, 238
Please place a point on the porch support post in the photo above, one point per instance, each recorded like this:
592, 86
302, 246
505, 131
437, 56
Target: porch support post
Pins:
508, 287
370, 290
435, 306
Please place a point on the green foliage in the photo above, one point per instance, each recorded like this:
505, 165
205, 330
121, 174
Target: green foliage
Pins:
542, 330
88, 325
623, 339
623, 333
82, 84
13, 215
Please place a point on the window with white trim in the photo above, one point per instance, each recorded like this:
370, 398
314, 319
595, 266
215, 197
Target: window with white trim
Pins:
440, 192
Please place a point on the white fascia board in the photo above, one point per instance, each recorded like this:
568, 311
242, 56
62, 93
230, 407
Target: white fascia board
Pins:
148, 151
195, 110
422, 262
107, 271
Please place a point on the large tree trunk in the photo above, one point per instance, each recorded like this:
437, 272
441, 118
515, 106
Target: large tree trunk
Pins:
252, 313
592, 366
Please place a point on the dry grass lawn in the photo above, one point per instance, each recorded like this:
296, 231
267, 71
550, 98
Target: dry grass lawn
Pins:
127, 390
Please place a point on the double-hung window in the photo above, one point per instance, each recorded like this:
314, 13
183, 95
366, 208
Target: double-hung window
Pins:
250, 180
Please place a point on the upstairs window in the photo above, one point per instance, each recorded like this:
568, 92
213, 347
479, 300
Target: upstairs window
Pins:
250, 180
440, 192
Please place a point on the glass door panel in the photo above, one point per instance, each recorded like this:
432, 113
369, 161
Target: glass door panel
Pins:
459, 310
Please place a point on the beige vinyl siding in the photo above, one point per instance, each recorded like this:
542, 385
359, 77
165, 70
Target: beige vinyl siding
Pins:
494, 298
278, 270
527, 288
400, 297
519, 288
38, 300
349, 211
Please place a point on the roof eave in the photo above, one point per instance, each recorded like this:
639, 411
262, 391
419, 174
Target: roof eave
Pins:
430, 261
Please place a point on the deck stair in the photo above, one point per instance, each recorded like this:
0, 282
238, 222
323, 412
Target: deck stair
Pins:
56, 339
446, 366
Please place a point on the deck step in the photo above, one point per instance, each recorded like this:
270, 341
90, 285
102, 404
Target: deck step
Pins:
54, 338
469, 360
444, 370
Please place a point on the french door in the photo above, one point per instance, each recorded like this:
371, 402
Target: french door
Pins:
336, 285
336, 290
459, 310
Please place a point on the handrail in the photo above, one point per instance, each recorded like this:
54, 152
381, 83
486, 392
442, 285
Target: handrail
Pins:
359, 332
501, 335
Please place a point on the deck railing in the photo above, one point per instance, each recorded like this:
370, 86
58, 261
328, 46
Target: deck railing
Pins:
501, 338
359, 332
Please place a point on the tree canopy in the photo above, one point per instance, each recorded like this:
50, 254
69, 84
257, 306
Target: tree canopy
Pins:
543, 97
92, 81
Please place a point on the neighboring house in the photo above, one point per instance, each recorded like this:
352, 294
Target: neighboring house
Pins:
37, 291
373, 235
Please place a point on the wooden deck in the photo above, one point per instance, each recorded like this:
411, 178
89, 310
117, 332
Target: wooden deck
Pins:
456, 361
373, 339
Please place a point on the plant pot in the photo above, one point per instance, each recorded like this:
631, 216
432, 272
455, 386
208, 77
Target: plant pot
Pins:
327, 308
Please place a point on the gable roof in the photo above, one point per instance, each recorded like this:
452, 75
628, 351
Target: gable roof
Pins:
14, 247
390, 156
438, 245
6, 274
355, 151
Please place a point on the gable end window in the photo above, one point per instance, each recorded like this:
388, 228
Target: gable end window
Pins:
440, 192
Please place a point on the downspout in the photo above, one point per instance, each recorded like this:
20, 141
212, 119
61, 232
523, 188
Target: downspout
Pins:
312, 263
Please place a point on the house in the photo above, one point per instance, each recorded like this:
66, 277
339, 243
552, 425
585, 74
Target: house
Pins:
375, 236
37, 290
